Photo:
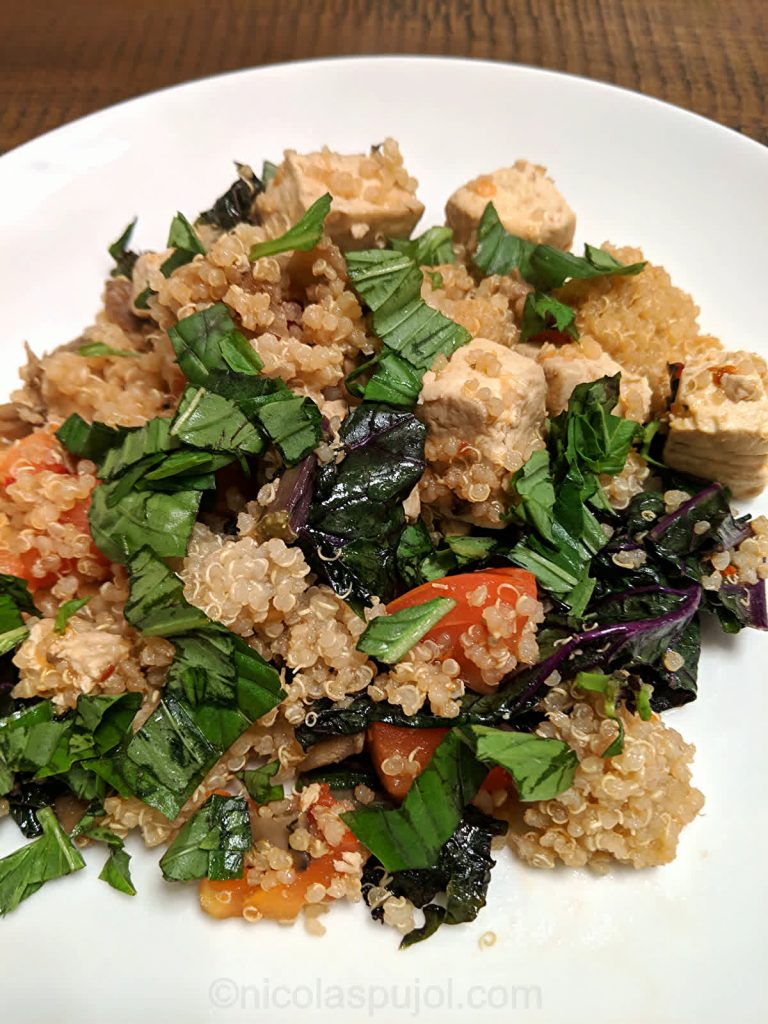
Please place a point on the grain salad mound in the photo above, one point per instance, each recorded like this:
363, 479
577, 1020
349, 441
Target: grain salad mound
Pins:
300, 538
629, 808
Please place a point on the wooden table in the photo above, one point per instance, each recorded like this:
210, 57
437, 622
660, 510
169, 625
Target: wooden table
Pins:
60, 59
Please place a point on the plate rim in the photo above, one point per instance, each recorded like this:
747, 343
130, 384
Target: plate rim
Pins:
733, 134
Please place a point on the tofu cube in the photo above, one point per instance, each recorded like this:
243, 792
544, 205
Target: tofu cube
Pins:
718, 427
526, 200
566, 366
373, 196
485, 412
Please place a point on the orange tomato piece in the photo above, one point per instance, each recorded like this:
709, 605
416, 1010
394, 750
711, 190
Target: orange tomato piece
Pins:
37, 451
283, 902
415, 745
506, 585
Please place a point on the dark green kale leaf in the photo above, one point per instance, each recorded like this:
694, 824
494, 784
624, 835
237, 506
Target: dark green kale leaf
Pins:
234, 206
357, 517
459, 880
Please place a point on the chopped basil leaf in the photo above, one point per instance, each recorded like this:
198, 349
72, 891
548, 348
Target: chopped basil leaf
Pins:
216, 687
541, 767
394, 381
542, 312
183, 238
432, 247
418, 561
15, 598
50, 856
239, 355
460, 878
142, 299
543, 266
303, 236
552, 492
234, 207
390, 284
257, 783
206, 420
17, 590
116, 871
435, 280
98, 348
66, 611
609, 687
391, 636
88, 440
294, 426
412, 835
124, 258
142, 519
212, 844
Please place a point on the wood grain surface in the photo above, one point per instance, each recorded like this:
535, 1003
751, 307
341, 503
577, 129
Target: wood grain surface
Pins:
60, 59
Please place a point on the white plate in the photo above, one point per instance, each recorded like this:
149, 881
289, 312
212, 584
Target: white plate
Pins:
676, 944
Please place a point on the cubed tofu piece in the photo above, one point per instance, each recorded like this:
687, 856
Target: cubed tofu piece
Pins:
526, 200
566, 366
485, 412
718, 426
373, 196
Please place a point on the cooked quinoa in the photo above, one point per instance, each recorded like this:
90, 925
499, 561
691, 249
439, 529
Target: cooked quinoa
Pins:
244, 506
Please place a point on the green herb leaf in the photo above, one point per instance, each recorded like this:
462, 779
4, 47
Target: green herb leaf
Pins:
394, 381
542, 312
461, 876
15, 598
257, 783
117, 872
544, 266
66, 611
303, 236
389, 637
183, 238
215, 689
212, 844
390, 284
206, 420
121, 254
413, 835
51, 856
239, 355
432, 247
88, 440
142, 519
142, 299
98, 348
609, 687
294, 426
541, 767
